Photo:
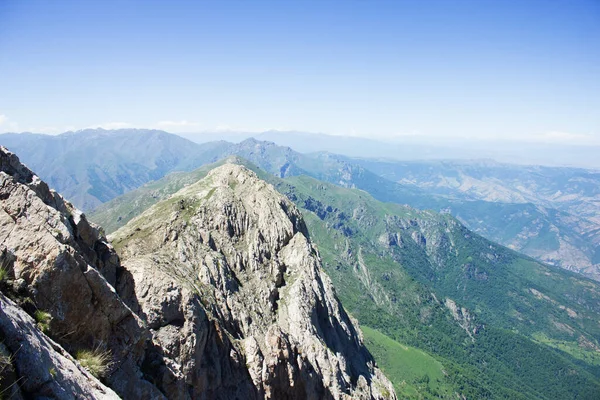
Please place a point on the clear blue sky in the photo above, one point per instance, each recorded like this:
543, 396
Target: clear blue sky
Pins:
510, 68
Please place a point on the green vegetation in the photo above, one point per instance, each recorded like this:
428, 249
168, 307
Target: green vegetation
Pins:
43, 320
584, 351
7, 376
415, 374
96, 361
386, 260
6, 260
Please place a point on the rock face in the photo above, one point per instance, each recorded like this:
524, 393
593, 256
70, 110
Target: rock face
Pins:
235, 298
220, 296
45, 369
58, 263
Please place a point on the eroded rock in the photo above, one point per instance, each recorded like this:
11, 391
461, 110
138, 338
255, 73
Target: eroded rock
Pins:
237, 256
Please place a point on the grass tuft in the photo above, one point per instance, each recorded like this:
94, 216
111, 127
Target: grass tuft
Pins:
43, 320
96, 362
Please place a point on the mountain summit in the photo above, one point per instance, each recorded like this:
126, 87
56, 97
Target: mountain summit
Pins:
220, 295
225, 267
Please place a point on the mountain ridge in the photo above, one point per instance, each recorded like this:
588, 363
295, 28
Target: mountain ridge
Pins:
188, 334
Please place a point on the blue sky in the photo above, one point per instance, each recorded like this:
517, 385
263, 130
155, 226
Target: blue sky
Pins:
526, 70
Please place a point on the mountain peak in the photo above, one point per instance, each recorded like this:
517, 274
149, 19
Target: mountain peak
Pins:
245, 249
256, 142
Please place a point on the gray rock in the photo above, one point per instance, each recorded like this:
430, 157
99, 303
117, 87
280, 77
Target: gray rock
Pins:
63, 265
36, 366
229, 257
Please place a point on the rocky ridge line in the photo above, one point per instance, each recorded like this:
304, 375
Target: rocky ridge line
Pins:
244, 247
215, 301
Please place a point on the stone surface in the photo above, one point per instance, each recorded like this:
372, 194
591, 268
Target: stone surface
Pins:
63, 265
34, 366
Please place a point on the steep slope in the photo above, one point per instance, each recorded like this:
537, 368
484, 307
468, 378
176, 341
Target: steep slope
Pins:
185, 335
92, 166
550, 235
426, 281
398, 269
562, 236
232, 239
60, 267
550, 213
34, 366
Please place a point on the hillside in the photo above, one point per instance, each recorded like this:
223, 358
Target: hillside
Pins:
426, 282
550, 213
573, 190
559, 236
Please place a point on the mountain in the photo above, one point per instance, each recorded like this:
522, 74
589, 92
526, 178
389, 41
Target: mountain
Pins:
501, 202
92, 166
572, 190
560, 236
424, 280
213, 298
552, 214
556, 233
471, 317
414, 147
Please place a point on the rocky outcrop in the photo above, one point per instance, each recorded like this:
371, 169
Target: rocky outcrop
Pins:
220, 296
34, 366
235, 298
58, 263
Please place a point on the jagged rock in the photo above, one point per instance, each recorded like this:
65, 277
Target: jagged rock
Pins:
236, 300
221, 296
462, 316
34, 366
63, 265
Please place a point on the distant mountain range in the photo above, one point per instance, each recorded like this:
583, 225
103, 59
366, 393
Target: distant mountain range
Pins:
549, 213
92, 166
552, 214
420, 147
